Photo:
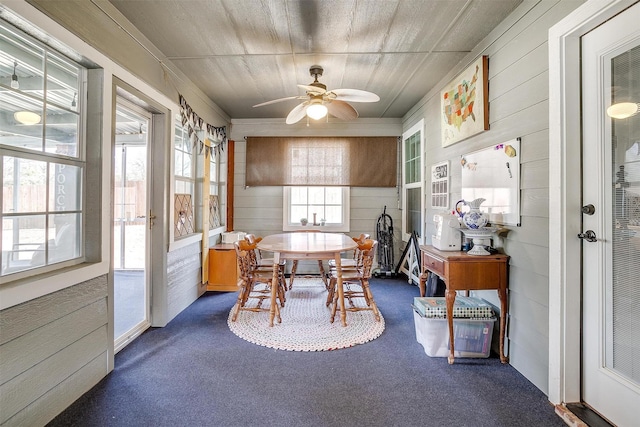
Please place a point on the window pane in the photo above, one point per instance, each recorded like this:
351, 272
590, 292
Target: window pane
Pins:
333, 214
298, 195
213, 170
186, 166
413, 216
65, 187
318, 210
180, 187
23, 243
298, 212
22, 123
316, 195
64, 237
24, 185
333, 195
178, 162
22, 57
412, 158
62, 82
62, 136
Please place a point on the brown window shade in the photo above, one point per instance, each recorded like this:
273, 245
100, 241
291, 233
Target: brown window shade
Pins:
322, 161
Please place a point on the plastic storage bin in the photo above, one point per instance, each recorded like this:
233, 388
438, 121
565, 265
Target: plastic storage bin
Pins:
472, 337
468, 307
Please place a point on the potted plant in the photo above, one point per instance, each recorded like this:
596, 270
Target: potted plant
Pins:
323, 221
304, 221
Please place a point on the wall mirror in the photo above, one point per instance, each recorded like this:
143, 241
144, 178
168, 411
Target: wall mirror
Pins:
493, 174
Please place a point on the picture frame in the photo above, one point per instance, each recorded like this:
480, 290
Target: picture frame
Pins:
440, 185
464, 103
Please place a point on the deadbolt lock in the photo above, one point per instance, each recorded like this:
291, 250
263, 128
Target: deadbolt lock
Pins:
588, 209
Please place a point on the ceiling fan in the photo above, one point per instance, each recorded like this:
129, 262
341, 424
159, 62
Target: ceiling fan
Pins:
319, 101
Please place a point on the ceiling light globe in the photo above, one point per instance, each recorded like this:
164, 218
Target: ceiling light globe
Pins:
316, 111
27, 117
622, 110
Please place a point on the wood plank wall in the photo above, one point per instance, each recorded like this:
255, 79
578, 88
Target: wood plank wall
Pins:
183, 278
518, 107
53, 349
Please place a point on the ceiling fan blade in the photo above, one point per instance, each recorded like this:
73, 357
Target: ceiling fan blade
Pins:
277, 100
297, 113
342, 110
313, 89
355, 95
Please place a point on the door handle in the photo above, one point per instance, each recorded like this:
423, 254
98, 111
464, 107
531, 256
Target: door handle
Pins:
589, 236
588, 209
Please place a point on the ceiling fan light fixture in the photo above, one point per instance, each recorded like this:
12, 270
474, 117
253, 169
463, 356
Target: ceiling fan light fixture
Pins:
317, 111
27, 117
623, 110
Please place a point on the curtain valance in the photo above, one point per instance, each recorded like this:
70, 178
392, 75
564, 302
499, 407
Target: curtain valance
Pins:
322, 161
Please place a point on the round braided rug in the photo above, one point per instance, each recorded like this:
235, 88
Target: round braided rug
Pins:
306, 322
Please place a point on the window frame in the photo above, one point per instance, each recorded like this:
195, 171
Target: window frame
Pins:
293, 224
218, 182
78, 160
191, 180
419, 184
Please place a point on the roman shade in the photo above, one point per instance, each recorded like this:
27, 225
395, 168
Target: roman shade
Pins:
321, 161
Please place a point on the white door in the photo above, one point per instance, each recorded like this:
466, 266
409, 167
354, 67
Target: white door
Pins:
131, 231
611, 219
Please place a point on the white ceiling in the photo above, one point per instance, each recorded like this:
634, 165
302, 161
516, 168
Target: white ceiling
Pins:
244, 52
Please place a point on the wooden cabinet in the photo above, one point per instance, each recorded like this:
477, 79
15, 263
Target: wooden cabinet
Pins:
461, 271
223, 268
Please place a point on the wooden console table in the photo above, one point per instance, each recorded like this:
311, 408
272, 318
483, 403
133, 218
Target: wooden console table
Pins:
461, 271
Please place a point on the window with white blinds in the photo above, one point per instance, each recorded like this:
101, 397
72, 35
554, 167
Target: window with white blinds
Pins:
623, 296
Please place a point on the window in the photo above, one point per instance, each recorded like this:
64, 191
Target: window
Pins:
185, 183
412, 182
41, 156
330, 204
217, 198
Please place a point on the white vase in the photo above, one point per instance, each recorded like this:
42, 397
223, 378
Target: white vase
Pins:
475, 218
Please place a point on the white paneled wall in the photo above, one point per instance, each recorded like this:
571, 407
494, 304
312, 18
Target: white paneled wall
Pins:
518, 97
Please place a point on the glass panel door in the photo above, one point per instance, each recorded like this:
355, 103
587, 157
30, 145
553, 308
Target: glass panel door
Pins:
130, 231
611, 219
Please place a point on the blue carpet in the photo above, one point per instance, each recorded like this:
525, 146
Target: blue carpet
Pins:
196, 372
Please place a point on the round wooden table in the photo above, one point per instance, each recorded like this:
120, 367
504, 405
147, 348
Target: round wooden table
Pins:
311, 245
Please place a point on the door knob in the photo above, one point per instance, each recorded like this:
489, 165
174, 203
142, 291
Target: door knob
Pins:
589, 236
588, 209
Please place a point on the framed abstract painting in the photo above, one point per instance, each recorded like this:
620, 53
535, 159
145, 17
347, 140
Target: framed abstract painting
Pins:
464, 103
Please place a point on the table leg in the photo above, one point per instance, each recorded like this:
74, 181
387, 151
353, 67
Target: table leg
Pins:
274, 310
450, 297
343, 312
502, 294
423, 283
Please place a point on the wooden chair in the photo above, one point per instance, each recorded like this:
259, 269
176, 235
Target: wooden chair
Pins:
360, 275
351, 262
294, 266
250, 277
262, 261
350, 267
